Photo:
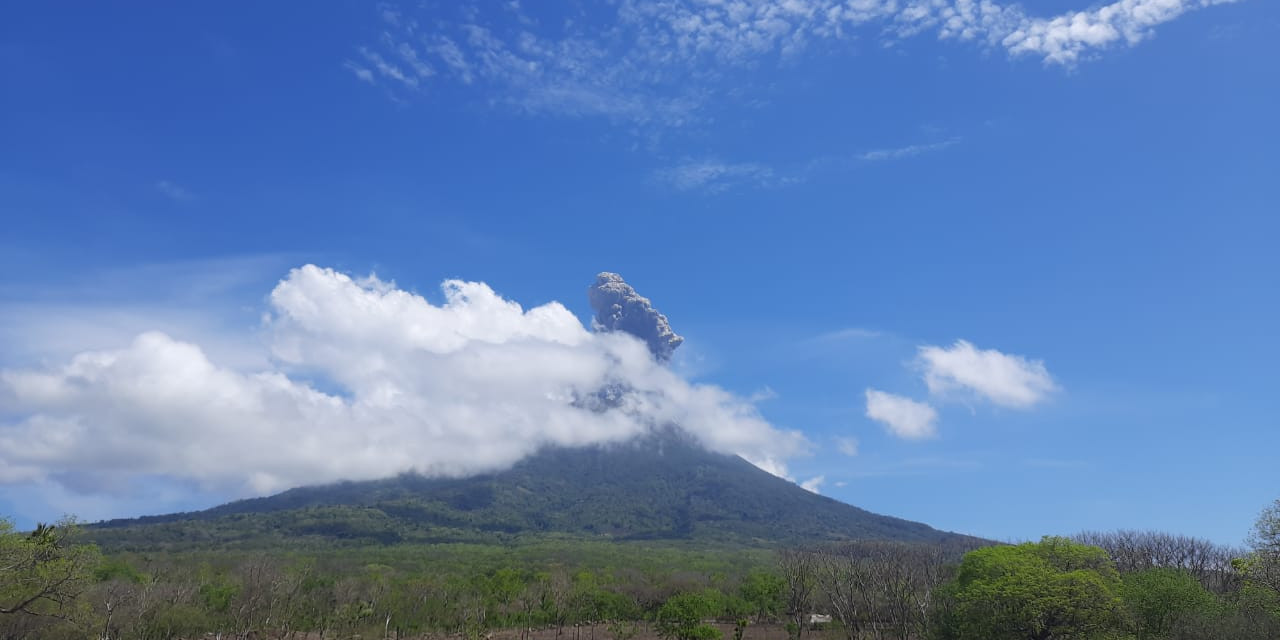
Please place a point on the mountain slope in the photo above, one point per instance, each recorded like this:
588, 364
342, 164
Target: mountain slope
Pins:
663, 487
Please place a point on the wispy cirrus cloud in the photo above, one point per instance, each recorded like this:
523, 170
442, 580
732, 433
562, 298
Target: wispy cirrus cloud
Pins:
908, 151
848, 333
659, 62
717, 177
847, 445
173, 191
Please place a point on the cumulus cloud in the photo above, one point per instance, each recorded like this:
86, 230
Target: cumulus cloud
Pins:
658, 61
813, 484
903, 417
1003, 379
370, 380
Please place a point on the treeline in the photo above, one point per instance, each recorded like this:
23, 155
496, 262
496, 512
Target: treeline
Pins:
346, 595
1105, 586
1163, 588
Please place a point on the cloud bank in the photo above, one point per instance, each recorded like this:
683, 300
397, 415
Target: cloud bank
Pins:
368, 380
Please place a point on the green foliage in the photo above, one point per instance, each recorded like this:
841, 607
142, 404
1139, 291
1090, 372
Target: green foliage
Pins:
216, 596
681, 617
765, 594
118, 569
1159, 599
1054, 589
1261, 568
1035, 591
44, 572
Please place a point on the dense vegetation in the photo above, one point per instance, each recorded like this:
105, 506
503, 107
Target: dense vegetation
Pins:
661, 488
1101, 586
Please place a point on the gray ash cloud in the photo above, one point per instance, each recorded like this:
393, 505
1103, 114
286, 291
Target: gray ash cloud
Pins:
619, 308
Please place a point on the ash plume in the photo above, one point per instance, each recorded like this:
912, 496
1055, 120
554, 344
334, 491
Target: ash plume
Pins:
619, 308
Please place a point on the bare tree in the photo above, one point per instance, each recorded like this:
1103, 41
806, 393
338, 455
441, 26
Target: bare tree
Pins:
799, 569
1209, 563
878, 588
844, 578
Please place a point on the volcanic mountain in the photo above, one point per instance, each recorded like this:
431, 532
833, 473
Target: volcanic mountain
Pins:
661, 487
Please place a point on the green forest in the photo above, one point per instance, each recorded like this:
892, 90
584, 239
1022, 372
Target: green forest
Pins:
55, 583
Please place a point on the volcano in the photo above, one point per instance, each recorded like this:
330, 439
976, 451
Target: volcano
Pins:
663, 486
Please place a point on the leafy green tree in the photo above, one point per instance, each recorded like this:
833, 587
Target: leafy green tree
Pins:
765, 594
1259, 596
1054, 589
44, 573
1158, 600
1263, 567
681, 617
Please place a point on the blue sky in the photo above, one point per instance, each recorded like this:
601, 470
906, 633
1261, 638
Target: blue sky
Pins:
1086, 194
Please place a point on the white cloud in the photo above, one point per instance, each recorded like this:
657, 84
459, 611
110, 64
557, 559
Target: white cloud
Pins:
173, 191
658, 61
363, 73
907, 151
371, 380
813, 484
386, 69
1004, 379
903, 417
847, 445
851, 333
716, 177
1065, 38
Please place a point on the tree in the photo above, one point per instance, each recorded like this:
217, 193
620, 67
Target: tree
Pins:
680, 617
1264, 541
1261, 566
44, 572
799, 570
844, 577
765, 593
1053, 589
1132, 551
1158, 600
